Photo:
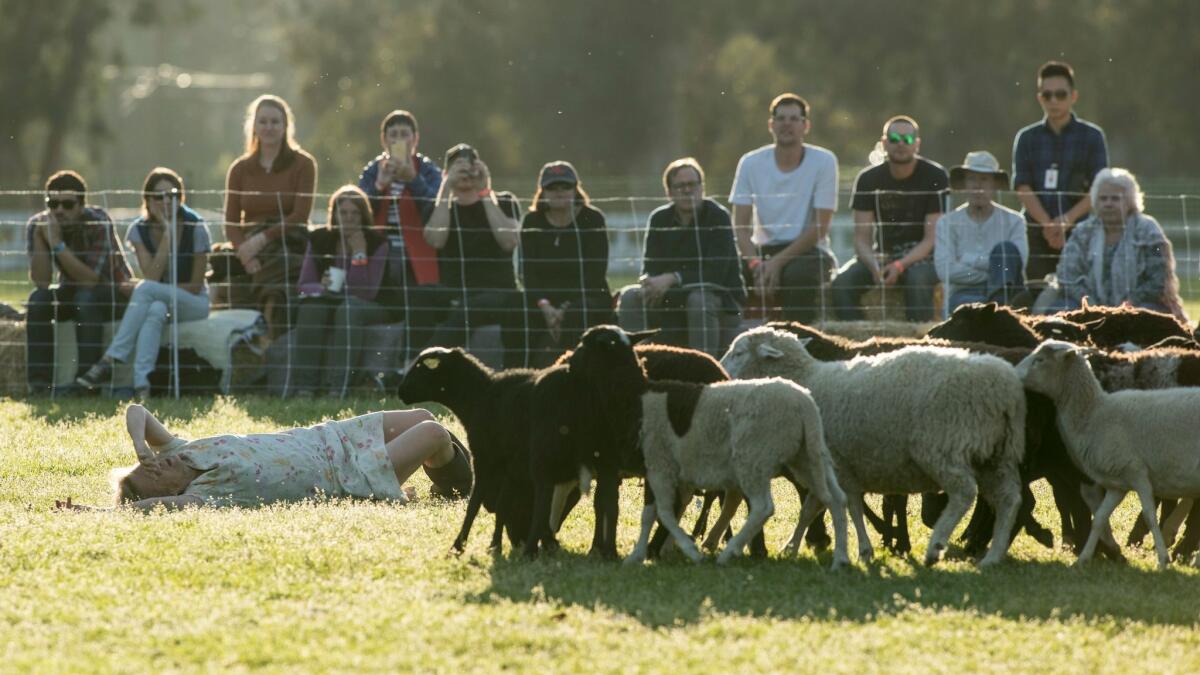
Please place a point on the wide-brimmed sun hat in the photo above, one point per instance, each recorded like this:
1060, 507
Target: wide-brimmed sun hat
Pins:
979, 161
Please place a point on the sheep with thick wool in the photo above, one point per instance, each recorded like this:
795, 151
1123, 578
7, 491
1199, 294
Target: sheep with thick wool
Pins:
1141, 441
914, 420
736, 435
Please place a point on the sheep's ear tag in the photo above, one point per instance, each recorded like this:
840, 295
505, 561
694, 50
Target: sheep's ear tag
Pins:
432, 363
769, 352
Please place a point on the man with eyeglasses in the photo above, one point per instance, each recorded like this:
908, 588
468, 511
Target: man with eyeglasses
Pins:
783, 198
896, 208
93, 278
691, 282
1054, 163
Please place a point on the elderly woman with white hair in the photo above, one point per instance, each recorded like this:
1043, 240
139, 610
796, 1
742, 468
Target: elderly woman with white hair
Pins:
1119, 255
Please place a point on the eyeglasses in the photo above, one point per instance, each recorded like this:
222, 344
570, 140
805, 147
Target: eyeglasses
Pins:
686, 186
160, 196
557, 187
65, 204
1060, 94
1116, 199
907, 139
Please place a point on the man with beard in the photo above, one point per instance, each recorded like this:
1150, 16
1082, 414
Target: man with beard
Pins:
896, 208
786, 194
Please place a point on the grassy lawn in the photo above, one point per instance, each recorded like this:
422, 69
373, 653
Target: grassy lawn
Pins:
358, 586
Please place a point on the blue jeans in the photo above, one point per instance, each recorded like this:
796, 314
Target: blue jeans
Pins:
855, 279
1005, 278
141, 330
91, 308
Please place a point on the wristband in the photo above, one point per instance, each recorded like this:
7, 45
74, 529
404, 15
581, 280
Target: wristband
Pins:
898, 265
754, 263
58, 248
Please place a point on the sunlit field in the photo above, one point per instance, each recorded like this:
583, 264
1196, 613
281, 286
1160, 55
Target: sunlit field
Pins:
361, 586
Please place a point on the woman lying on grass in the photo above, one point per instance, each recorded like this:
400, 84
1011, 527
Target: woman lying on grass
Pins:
366, 457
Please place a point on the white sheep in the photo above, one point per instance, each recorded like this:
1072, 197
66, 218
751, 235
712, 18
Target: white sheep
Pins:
1144, 441
919, 419
735, 436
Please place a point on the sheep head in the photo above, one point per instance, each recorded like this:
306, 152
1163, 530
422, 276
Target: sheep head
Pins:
986, 322
1044, 370
429, 375
605, 354
762, 351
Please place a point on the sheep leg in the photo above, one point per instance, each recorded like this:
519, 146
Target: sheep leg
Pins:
558, 501
1002, 489
606, 504
1191, 534
1146, 494
473, 505
1170, 527
1093, 494
1099, 522
854, 502
539, 528
961, 490
729, 507
664, 492
761, 508
895, 512
638, 555
701, 525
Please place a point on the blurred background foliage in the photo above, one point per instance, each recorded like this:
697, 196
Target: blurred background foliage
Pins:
619, 88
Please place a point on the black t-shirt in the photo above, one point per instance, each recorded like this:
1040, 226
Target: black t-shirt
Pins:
900, 206
565, 263
471, 258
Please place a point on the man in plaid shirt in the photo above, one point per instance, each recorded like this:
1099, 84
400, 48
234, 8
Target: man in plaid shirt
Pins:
94, 280
1054, 162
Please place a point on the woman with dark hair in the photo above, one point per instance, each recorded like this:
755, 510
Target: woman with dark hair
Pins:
171, 244
268, 200
340, 293
365, 457
564, 265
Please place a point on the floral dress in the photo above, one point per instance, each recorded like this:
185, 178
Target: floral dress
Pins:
346, 458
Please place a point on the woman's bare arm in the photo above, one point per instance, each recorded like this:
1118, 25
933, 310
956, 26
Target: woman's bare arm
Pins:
145, 430
144, 505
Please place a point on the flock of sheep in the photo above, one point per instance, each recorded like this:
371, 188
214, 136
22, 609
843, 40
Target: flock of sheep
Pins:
1099, 402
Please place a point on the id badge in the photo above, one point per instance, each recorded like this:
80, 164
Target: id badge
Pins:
1051, 182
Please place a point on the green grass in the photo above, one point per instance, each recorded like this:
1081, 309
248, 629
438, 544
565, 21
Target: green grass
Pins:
359, 586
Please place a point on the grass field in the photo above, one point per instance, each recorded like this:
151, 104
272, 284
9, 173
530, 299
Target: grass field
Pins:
360, 586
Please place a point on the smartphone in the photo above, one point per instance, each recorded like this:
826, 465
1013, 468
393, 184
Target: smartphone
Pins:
398, 150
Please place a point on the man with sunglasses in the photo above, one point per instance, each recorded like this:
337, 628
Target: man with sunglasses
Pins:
1054, 162
896, 208
93, 278
783, 198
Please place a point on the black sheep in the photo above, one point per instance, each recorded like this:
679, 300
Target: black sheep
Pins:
586, 420
1110, 327
494, 409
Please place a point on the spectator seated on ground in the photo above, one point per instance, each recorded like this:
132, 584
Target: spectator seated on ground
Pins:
691, 283
981, 247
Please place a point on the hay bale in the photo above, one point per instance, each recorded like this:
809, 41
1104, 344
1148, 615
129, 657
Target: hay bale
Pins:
865, 330
12, 358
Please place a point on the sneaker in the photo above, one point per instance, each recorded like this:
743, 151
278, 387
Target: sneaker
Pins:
97, 375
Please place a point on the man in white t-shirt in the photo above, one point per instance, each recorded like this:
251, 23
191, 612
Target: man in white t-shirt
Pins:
981, 249
783, 198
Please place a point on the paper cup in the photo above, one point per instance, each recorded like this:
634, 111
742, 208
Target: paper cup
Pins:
337, 279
